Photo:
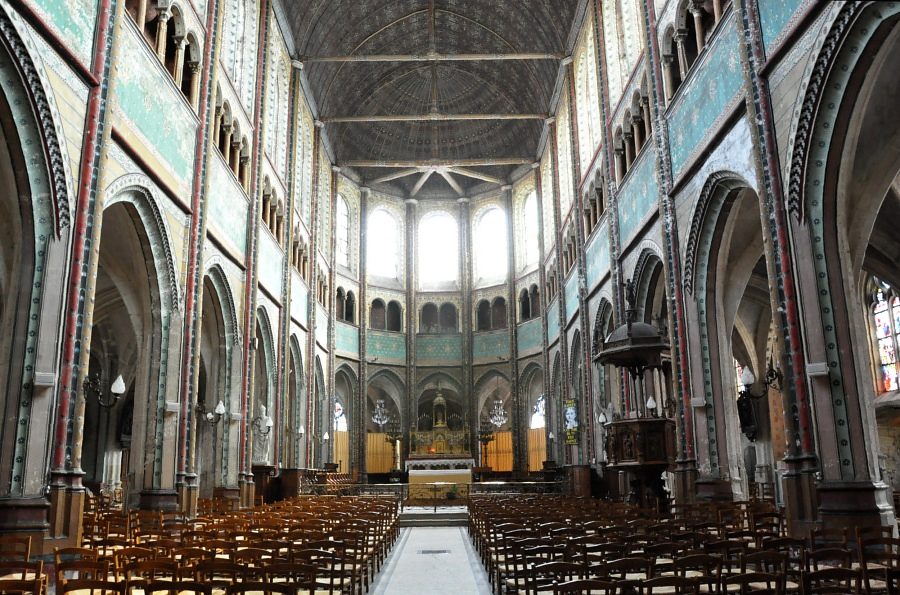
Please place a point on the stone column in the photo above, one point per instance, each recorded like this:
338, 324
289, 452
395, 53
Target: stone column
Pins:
466, 323
194, 68
519, 425
178, 74
699, 32
235, 162
648, 120
363, 325
620, 164
637, 128
668, 63
242, 176
141, 18
162, 31
226, 146
412, 225
717, 10
683, 66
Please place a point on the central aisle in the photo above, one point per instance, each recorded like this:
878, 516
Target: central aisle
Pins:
433, 560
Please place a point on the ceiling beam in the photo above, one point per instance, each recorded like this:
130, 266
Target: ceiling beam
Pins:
435, 163
474, 174
436, 57
396, 174
431, 118
421, 182
453, 183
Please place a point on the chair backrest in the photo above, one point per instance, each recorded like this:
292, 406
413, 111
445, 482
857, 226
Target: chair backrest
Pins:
15, 547
177, 588
33, 586
589, 586
827, 558
67, 570
833, 580
261, 587
92, 587
670, 584
763, 583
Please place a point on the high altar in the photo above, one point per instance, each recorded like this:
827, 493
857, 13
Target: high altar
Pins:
440, 462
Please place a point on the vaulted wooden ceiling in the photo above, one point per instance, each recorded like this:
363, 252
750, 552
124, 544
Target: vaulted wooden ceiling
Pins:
433, 97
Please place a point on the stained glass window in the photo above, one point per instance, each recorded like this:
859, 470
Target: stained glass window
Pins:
886, 319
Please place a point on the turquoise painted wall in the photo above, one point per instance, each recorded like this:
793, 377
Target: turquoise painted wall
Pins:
299, 300
346, 338
270, 267
439, 349
711, 88
774, 16
321, 326
597, 256
638, 196
147, 98
572, 295
388, 347
528, 338
490, 346
227, 209
74, 21
553, 321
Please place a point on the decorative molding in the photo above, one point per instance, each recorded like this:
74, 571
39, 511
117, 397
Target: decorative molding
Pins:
713, 184
814, 91
56, 162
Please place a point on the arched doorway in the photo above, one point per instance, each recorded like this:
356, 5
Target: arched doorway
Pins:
261, 407
384, 413
535, 417
732, 315
845, 167
494, 399
128, 339
294, 416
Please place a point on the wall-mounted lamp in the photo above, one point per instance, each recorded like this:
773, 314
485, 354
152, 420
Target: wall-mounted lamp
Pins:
211, 417
301, 431
92, 387
550, 436
602, 419
651, 405
745, 409
325, 437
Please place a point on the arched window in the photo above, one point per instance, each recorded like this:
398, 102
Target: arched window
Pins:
524, 305
530, 224
483, 316
449, 319
498, 313
886, 334
428, 322
342, 232
382, 248
377, 316
350, 308
438, 250
490, 246
394, 316
340, 303
535, 300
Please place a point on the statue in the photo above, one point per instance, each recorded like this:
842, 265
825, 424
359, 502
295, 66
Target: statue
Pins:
262, 427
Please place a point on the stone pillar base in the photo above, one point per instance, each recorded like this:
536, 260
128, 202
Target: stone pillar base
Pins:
248, 492
685, 481
188, 493
710, 488
854, 504
230, 497
166, 500
27, 517
800, 499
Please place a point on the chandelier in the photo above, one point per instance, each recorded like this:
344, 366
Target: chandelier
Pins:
380, 416
498, 414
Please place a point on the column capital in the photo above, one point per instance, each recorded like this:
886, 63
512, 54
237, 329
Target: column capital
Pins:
319, 124
566, 61
411, 202
336, 169
550, 121
506, 187
680, 35
462, 200
365, 191
668, 59
535, 165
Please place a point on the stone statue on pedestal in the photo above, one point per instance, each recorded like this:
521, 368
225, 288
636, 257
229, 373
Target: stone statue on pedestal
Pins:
262, 428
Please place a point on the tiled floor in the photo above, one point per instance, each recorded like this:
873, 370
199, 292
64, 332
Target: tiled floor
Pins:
432, 561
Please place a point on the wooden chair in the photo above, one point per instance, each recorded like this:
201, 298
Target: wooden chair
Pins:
589, 586
831, 557
67, 570
833, 580
676, 585
761, 583
261, 587
179, 587
34, 586
15, 547
92, 587
876, 555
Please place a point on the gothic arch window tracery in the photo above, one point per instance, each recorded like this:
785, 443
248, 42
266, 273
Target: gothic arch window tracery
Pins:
383, 244
885, 326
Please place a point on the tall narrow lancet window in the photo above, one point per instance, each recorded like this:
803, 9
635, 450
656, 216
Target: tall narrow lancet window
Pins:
342, 232
438, 251
886, 322
383, 240
530, 220
491, 247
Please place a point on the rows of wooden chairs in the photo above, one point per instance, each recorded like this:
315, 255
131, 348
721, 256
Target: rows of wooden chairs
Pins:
550, 544
311, 544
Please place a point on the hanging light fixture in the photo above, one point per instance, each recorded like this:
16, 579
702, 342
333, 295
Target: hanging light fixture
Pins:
380, 416
498, 415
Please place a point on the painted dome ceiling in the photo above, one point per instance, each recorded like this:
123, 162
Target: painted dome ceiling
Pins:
432, 97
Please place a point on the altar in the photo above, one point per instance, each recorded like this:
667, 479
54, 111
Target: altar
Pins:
438, 478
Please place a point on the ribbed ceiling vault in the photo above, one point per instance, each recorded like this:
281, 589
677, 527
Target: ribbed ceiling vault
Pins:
432, 97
